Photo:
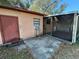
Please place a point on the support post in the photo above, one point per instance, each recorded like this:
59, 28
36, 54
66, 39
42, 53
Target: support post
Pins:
74, 32
51, 24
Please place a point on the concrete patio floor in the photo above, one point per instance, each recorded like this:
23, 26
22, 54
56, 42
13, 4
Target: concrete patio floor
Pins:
43, 47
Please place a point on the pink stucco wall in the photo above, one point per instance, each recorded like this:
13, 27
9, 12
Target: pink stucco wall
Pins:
0, 36
26, 28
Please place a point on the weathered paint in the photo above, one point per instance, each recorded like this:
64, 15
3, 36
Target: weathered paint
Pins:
25, 22
10, 31
1, 42
1, 39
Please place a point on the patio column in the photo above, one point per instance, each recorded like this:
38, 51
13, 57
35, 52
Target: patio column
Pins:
75, 22
51, 24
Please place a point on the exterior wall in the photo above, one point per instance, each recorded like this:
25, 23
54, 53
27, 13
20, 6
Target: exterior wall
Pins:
26, 28
0, 39
48, 28
0, 36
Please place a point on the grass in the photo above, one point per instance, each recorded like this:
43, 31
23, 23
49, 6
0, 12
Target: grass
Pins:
11, 53
68, 52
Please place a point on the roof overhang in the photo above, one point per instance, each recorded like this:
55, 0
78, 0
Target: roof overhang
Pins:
22, 10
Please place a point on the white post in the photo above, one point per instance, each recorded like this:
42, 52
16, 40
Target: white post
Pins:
75, 22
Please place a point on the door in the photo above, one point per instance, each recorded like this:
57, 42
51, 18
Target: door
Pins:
10, 29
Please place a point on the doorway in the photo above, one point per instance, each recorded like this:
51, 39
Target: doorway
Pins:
10, 29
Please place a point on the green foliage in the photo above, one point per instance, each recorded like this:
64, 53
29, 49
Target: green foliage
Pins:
45, 6
48, 6
4, 2
60, 9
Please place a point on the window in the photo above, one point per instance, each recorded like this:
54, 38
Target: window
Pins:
36, 23
48, 20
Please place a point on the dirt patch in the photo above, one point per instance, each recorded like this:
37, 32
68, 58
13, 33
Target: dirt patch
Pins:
68, 52
11, 53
